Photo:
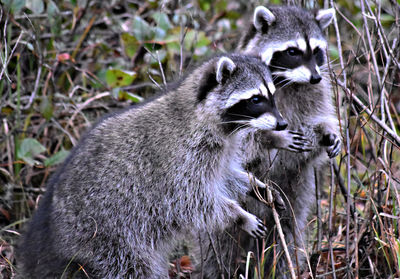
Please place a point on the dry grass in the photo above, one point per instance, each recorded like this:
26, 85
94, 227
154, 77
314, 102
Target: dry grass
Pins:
53, 85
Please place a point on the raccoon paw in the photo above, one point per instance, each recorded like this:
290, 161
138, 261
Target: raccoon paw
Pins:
253, 226
298, 142
278, 201
334, 144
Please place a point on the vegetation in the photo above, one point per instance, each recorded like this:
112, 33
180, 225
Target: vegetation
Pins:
66, 63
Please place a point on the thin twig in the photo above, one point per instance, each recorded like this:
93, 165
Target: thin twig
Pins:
8, 144
280, 232
87, 102
347, 121
318, 204
7, 61
161, 69
348, 212
382, 124
216, 253
330, 225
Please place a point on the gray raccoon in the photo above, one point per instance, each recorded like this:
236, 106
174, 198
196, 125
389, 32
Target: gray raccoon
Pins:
142, 179
291, 42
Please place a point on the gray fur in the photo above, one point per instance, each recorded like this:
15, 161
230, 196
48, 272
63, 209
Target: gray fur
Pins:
308, 108
143, 179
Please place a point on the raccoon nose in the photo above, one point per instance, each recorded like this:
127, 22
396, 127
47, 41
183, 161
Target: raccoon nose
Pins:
315, 78
281, 125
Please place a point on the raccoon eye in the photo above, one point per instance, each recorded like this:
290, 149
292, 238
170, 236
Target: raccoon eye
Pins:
255, 100
316, 51
293, 51
319, 56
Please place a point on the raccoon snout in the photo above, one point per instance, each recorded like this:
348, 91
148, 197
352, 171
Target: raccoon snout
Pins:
315, 78
281, 125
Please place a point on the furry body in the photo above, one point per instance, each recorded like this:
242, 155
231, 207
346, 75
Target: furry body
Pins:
147, 177
290, 40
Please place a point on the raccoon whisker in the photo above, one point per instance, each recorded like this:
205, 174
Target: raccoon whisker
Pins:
287, 84
241, 115
274, 78
327, 66
234, 122
333, 60
279, 67
238, 128
284, 82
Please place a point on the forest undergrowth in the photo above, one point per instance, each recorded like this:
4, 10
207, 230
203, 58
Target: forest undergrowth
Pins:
64, 64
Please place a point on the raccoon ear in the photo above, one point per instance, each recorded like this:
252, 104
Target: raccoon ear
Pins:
225, 67
216, 74
263, 17
325, 17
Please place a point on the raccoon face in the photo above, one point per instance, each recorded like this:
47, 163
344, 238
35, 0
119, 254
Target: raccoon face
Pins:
241, 90
290, 40
299, 64
258, 111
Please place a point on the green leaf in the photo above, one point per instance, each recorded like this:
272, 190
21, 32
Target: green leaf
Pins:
36, 6
14, 6
196, 38
162, 21
130, 44
130, 96
159, 34
28, 149
333, 52
221, 6
54, 19
46, 108
179, 19
387, 20
172, 40
205, 5
233, 15
52, 9
119, 78
202, 40
57, 158
141, 29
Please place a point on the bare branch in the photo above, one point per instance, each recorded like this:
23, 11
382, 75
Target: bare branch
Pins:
382, 124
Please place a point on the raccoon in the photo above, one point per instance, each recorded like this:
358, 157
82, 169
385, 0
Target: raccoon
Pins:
144, 178
291, 42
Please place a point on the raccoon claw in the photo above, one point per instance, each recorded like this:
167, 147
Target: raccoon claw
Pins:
255, 227
335, 145
261, 231
298, 142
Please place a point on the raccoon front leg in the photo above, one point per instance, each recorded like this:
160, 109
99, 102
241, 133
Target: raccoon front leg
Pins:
333, 143
252, 179
329, 138
246, 221
286, 139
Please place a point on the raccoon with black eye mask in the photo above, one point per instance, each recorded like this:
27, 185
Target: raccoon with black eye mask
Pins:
294, 64
252, 108
290, 40
147, 177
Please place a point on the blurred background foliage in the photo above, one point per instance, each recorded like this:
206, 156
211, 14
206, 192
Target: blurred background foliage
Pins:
66, 63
